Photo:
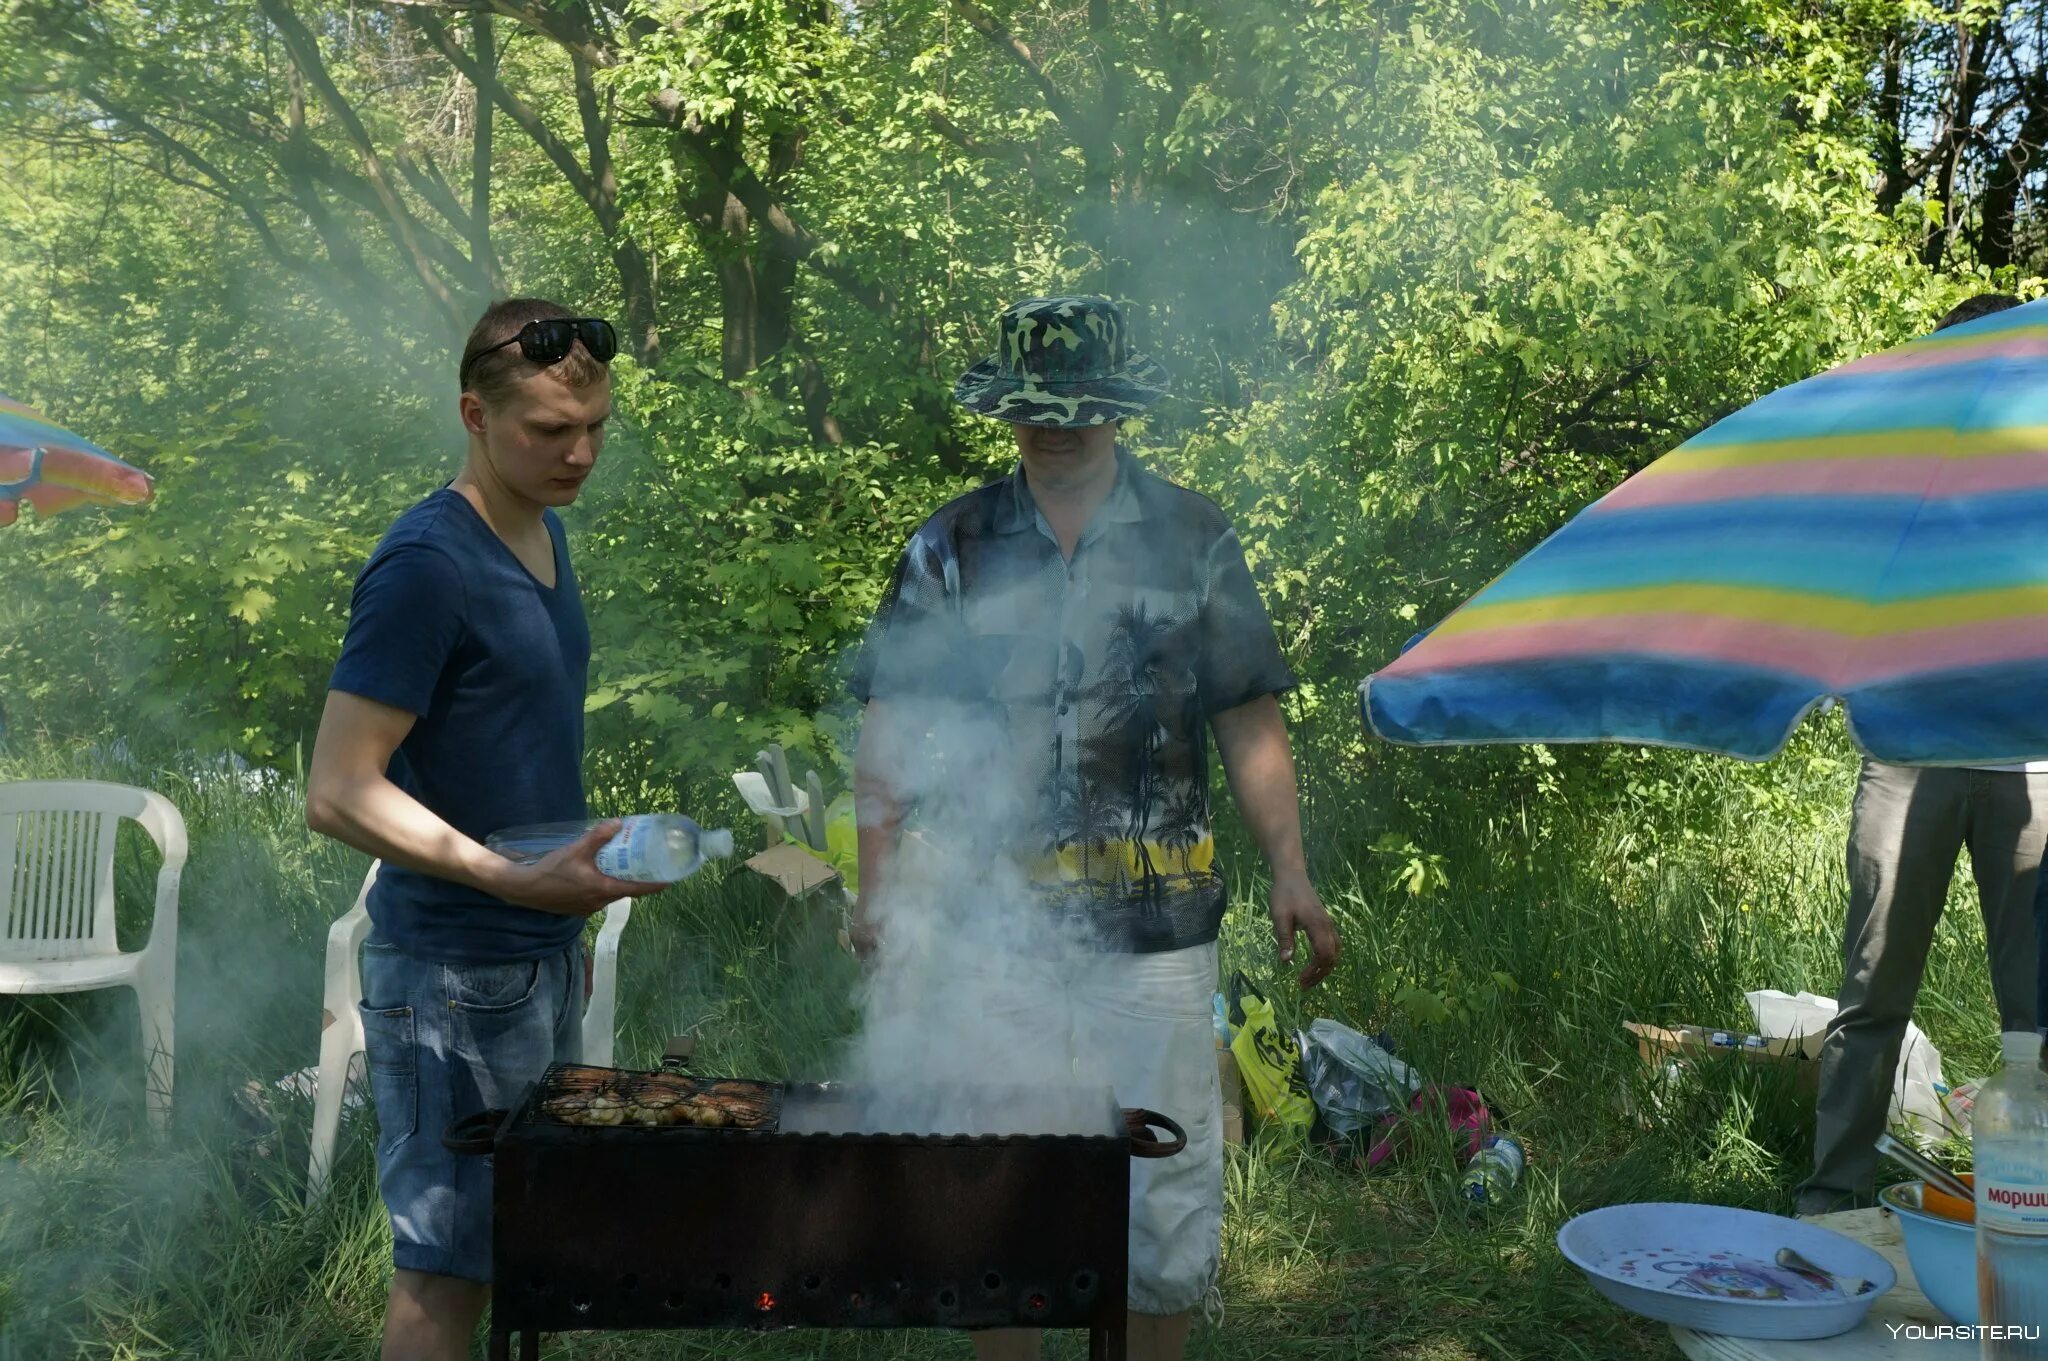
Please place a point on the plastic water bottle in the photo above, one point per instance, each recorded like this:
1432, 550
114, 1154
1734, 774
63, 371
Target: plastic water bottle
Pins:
1493, 1171
2009, 1146
650, 848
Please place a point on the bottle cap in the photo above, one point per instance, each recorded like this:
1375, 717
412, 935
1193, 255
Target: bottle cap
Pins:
717, 845
2021, 1046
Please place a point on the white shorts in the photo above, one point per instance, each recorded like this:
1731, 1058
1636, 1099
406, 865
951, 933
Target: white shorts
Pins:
1143, 1026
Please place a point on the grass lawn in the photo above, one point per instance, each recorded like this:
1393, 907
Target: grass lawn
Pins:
1536, 934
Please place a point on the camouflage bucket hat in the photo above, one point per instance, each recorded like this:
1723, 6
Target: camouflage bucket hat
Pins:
1062, 361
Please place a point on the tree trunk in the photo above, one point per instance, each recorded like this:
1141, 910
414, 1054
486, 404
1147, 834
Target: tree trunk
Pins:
637, 286
1097, 219
722, 224
480, 159
2000, 202
1973, 52
816, 392
1891, 128
738, 298
775, 265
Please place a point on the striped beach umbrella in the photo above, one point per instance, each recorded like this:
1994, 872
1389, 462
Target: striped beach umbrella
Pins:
54, 470
1877, 534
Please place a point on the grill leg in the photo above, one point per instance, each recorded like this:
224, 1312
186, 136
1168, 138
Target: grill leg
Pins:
529, 1345
1109, 1344
501, 1345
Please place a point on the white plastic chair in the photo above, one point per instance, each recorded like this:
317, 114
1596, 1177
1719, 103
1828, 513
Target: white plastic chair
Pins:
341, 1019
57, 906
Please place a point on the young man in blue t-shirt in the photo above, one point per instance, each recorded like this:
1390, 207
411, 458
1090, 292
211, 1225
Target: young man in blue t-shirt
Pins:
456, 709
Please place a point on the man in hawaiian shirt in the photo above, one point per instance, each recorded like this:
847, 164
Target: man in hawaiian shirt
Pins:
1095, 623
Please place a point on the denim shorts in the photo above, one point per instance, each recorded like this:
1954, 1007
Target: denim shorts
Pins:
444, 1041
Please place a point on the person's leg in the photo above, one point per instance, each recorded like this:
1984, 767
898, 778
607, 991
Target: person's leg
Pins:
2008, 824
431, 1318
1903, 839
505, 1023
1006, 1344
2041, 945
446, 1041
1152, 1338
1156, 1338
1149, 1019
430, 1313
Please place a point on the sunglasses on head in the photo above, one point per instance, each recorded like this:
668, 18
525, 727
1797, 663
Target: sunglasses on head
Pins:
549, 342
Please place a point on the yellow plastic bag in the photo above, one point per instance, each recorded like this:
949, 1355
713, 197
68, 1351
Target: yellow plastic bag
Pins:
1275, 1089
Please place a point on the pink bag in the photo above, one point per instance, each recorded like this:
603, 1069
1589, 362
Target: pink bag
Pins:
1461, 1106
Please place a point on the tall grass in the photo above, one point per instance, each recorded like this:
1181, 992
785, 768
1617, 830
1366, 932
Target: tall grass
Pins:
1509, 963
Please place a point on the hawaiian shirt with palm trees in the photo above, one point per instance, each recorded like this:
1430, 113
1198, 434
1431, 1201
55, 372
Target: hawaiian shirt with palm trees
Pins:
1066, 705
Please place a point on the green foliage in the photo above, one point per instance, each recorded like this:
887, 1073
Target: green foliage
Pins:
1430, 276
281, 443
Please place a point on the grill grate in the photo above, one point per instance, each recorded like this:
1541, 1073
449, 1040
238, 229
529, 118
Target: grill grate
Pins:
583, 1096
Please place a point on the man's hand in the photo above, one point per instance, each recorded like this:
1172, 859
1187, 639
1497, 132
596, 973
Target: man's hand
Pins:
568, 882
1253, 740
1296, 908
862, 935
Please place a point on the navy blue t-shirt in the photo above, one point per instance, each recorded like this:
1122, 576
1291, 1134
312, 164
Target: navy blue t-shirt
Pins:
449, 625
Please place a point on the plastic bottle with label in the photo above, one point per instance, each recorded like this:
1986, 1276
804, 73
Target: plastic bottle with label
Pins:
1493, 1171
2009, 1146
650, 848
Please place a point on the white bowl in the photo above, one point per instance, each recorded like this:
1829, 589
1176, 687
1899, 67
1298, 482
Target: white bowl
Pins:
1602, 1243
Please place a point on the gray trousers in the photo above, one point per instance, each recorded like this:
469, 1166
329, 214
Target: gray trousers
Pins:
1907, 826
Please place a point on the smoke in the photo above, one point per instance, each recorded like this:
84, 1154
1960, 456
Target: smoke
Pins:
964, 1027
967, 1025
97, 1210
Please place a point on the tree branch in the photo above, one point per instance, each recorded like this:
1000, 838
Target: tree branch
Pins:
597, 185
229, 187
1958, 129
992, 151
305, 54
728, 168
519, 111
1614, 387
984, 23
1999, 203
569, 26
428, 183
596, 136
485, 43
347, 277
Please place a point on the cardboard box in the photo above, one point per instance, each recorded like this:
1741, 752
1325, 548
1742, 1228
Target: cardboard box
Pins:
795, 870
1695, 1043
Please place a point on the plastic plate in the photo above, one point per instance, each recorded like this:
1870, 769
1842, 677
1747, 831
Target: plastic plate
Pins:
1650, 1259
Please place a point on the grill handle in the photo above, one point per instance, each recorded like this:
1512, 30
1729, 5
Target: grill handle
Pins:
1141, 1123
473, 1134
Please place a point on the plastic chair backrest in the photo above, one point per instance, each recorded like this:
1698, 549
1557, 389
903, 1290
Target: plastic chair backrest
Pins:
57, 863
344, 947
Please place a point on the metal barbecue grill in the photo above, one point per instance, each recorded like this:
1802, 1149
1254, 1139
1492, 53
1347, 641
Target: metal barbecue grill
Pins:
659, 1200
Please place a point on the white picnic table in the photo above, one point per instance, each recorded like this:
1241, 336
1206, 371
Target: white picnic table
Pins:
1899, 1308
